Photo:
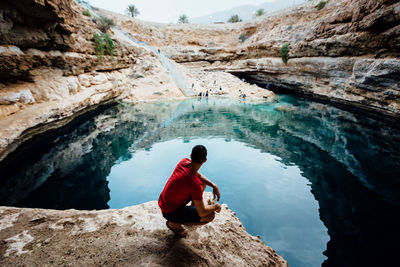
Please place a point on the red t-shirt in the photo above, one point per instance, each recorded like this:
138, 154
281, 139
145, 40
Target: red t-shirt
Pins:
181, 186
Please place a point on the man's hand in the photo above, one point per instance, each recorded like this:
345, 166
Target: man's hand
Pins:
216, 191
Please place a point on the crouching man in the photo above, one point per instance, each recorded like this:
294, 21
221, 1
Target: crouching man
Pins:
187, 184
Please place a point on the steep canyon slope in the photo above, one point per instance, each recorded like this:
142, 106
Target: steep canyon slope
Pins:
49, 68
346, 52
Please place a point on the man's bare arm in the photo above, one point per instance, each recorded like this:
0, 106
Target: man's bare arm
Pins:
205, 181
203, 210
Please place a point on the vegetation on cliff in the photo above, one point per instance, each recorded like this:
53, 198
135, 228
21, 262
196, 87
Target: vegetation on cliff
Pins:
104, 24
183, 19
321, 5
132, 11
243, 37
99, 47
110, 46
285, 52
86, 13
260, 12
234, 19
103, 44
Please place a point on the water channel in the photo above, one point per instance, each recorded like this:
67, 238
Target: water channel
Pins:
317, 183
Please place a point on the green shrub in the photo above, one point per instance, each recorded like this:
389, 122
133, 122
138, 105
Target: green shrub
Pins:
211, 43
86, 13
98, 47
234, 19
321, 5
110, 46
243, 37
105, 23
285, 52
151, 30
183, 19
132, 11
260, 12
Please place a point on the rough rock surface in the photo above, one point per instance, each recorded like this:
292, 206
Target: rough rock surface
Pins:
49, 69
135, 235
347, 52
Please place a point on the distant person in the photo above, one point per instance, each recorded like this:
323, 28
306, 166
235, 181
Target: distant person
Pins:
200, 94
159, 50
267, 86
220, 88
206, 93
244, 96
192, 85
187, 184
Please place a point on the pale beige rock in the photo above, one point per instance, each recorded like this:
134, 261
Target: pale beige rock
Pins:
6, 110
9, 97
99, 78
73, 85
85, 80
339, 53
133, 235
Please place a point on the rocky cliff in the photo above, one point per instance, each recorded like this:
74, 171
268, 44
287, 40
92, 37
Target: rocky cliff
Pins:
346, 52
50, 70
135, 235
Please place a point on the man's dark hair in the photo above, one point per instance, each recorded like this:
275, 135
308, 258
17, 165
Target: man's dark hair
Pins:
199, 154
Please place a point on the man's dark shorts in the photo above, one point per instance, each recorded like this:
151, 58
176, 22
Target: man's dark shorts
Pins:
183, 214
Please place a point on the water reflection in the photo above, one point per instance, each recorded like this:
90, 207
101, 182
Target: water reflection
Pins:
351, 163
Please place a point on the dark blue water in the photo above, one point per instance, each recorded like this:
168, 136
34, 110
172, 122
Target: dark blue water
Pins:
318, 184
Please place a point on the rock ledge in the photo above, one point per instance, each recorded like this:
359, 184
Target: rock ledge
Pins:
135, 235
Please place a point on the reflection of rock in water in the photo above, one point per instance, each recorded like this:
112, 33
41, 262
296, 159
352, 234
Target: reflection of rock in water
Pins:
68, 169
363, 227
352, 162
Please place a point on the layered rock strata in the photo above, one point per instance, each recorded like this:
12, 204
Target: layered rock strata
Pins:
49, 69
346, 52
133, 235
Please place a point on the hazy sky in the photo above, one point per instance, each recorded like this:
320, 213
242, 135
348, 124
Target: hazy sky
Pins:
170, 10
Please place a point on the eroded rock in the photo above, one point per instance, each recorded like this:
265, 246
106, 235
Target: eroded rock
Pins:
135, 234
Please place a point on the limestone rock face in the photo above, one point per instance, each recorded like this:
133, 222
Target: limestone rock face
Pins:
49, 69
369, 84
134, 235
347, 52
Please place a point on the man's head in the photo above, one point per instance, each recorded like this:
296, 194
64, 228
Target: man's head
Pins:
199, 154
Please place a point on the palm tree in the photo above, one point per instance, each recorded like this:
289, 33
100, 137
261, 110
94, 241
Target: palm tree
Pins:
260, 12
132, 11
234, 19
183, 19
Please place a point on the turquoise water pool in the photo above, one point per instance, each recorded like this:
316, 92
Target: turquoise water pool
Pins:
316, 183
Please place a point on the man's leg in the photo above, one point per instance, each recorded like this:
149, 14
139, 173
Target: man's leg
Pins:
191, 212
204, 220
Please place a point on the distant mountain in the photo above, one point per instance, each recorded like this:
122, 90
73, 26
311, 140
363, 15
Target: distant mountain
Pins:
245, 12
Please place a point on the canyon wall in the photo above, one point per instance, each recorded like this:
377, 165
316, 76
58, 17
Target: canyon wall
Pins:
346, 52
50, 70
